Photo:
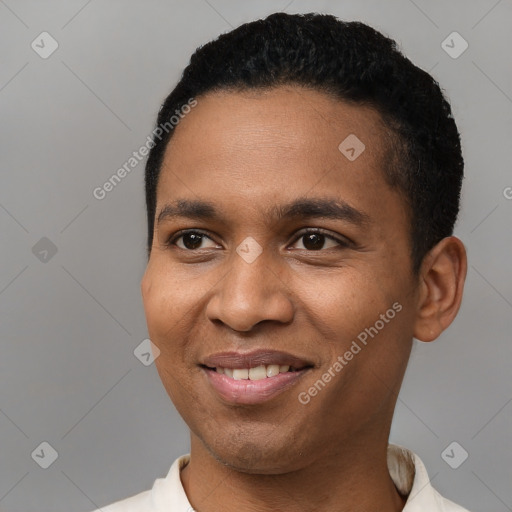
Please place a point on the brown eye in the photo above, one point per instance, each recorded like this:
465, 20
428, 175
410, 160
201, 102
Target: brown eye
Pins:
315, 241
191, 240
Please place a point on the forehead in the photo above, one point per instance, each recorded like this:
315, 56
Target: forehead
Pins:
278, 119
256, 147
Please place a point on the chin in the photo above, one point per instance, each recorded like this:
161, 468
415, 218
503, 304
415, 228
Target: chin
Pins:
251, 454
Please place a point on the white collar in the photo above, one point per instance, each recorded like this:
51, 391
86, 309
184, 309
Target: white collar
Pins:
405, 468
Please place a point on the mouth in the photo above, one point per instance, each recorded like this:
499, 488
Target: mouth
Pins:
255, 373
253, 377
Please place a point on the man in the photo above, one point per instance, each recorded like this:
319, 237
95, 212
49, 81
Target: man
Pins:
300, 215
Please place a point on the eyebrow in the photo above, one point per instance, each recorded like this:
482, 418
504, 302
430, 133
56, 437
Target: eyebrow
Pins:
301, 208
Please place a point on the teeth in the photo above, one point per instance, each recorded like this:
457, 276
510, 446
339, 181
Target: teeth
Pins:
256, 373
241, 374
272, 369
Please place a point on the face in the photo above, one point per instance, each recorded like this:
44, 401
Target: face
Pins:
279, 257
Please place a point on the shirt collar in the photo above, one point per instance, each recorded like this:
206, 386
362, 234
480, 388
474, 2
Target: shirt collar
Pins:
405, 468
411, 479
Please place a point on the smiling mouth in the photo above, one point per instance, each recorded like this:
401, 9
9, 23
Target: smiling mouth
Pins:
253, 377
256, 372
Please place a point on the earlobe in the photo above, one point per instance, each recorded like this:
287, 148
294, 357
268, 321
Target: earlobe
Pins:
442, 277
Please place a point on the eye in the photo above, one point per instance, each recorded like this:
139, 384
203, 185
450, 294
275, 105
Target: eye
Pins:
191, 240
316, 240
311, 240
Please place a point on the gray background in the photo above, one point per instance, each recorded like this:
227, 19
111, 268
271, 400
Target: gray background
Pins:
69, 325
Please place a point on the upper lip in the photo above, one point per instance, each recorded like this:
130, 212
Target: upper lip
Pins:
254, 358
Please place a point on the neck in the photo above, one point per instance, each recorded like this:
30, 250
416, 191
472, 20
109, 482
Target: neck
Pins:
350, 479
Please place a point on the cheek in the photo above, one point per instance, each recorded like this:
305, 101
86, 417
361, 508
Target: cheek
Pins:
163, 306
363, 320
166, 308
348, 304
173, 302
156, 302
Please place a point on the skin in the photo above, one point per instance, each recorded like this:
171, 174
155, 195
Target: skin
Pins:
247, 152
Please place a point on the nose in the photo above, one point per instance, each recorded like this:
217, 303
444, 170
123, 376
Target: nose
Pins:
249, 294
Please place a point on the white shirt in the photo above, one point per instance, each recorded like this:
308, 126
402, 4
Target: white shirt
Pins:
405, 468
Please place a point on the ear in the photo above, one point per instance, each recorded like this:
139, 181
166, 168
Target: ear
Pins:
442, 277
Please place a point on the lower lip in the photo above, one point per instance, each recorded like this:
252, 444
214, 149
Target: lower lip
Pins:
251, 392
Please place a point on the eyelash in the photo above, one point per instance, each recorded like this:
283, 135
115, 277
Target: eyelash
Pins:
342, 243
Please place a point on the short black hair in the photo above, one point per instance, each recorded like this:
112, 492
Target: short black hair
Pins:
352, 62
